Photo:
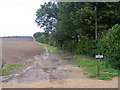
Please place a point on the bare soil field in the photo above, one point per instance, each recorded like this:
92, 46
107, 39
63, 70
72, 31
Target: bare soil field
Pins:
16, 50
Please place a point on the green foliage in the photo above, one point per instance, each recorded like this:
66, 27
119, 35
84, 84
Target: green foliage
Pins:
41, 37
109, 46
72, 30
108, 15
9, 68
107, 76
47, 16
85, 46
72, 24
49, 48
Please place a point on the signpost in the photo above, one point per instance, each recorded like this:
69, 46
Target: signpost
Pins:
98, 57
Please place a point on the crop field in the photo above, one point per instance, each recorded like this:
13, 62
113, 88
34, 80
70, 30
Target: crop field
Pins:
16, 50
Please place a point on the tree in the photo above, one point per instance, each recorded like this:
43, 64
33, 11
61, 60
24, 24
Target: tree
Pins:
73, 23
47, 16
108, 14
41, 37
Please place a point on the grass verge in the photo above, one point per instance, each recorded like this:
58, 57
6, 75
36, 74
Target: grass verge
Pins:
90, 65
49, 48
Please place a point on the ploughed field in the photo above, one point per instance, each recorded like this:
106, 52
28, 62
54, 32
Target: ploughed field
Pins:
17, 50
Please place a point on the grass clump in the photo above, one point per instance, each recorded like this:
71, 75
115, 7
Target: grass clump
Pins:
90, 65
7, 69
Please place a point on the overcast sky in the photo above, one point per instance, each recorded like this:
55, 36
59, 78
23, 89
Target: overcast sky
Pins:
17, 17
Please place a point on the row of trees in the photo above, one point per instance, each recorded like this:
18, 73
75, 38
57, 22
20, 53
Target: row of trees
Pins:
73, 24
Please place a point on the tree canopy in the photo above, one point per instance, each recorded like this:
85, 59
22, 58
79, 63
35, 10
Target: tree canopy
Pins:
73, 24
47, 16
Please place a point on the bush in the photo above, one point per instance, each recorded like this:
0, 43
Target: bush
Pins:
85, 46
41, 37
109, 46
69, 46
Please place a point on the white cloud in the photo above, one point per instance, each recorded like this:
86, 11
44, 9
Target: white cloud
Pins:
17, 17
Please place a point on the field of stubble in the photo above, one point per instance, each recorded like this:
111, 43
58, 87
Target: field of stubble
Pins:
16, 50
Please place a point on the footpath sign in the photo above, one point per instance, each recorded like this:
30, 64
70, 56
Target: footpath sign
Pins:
98, 57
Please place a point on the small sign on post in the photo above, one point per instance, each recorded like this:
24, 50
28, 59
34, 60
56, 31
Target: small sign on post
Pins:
98, 57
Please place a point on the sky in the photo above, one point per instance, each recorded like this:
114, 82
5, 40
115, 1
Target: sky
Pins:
17, 17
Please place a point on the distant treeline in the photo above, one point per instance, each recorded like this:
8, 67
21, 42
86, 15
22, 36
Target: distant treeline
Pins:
15, 36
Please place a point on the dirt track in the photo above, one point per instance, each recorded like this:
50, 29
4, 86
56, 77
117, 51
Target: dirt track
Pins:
50, 71
66, 83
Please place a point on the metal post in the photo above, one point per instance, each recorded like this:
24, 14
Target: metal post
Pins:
98, 67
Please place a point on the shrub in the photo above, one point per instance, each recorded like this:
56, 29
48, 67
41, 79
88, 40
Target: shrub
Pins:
69, 46
85, 46
109, 46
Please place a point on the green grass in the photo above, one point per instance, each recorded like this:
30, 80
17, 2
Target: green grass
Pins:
45, 64
7, 69
51, 48
90, 65
47, 46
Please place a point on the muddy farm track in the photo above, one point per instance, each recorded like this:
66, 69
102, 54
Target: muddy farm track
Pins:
48, 69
